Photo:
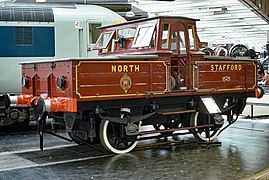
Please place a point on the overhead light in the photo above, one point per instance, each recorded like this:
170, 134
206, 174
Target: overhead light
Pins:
220, 21
222, 11
130, 14
263, 28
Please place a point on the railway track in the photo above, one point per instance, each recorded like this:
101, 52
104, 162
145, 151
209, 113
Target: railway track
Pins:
32, 157
24, 159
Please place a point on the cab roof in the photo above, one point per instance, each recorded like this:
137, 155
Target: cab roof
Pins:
151, 18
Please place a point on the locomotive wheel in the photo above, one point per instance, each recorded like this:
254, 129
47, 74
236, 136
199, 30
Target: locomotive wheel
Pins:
74, 138
114, 139
238, 50
203, 134
208, 51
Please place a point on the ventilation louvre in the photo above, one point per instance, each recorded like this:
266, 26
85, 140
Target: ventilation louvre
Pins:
35, 14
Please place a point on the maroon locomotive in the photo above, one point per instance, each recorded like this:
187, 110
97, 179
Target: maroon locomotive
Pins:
148, 72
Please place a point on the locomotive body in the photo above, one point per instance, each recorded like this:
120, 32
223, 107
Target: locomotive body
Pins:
31, 31
148, 72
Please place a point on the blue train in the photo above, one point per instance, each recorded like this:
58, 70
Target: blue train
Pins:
30, 31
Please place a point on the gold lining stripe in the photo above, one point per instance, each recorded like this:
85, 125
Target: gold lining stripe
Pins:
253, 87
121, 95
217, 90
77, 80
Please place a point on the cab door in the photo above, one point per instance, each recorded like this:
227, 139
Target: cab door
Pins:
180, 57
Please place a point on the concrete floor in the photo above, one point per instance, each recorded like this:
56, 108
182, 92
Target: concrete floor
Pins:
244, 151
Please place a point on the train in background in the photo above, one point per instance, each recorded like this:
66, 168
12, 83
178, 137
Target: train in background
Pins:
148, 72
30, 31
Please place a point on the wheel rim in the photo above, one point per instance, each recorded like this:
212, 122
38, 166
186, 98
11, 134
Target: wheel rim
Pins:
203, 134
111, 140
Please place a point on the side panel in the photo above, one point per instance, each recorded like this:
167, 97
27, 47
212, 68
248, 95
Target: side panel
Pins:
97, 79
224, 75
27, 41
42, 79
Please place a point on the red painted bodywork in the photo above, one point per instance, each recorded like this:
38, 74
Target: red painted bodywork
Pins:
97, 79
128, 71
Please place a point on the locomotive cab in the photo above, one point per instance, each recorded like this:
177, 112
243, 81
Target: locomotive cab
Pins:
173, 39
162, 35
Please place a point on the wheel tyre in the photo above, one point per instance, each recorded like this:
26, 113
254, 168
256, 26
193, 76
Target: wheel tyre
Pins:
194, 122
105, 141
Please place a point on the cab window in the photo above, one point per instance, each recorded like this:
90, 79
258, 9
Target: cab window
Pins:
182, 43
143, 36
174, 41
127, 32
165, 35
104, 40
191, 36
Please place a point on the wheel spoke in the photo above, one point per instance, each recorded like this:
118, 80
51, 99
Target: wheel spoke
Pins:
203, 134
113, 137
207, 133
117, 144
125, 145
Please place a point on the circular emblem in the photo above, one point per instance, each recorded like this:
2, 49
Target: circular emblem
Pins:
125, 83
226, 78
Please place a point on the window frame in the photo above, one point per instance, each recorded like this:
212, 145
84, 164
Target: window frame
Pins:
192, 35
149, 34
168, 35
107, 42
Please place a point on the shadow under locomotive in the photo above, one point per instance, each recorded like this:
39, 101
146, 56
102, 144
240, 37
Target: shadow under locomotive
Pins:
148, 72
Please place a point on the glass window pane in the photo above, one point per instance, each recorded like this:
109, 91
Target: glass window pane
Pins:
143, 36
174, 42
127, 32
165, 36
104, 39
191, 37
182, 43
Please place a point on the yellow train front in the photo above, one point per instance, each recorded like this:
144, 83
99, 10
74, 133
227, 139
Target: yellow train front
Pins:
148, 72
